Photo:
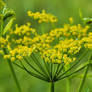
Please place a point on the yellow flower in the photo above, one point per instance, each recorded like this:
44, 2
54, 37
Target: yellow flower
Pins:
42, 17
71, 20
6, 56
12, 58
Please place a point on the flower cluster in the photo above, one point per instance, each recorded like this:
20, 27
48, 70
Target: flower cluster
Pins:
42, 17
56, 46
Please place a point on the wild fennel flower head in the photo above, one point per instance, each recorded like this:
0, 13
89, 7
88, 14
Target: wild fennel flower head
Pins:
57, 46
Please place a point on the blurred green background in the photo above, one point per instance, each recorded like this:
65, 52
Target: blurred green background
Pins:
63, 9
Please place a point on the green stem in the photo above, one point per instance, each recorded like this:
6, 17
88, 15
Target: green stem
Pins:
67, 85
13, 72
52, 86
84, 78
14, 75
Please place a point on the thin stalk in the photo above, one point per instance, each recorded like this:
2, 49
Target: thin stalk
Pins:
59, 70
51, 73
18, 65
36, 61
71, 73
85, 73
52, 86
66, 71
84, 78
34, 68
47, 67
13, 72
14, 75
33, 74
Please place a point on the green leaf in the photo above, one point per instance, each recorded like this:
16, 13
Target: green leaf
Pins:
8, 26
87, 20
8, 13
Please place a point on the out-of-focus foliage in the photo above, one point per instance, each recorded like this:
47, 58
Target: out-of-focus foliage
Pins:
61, 8
1, 8
1, 5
